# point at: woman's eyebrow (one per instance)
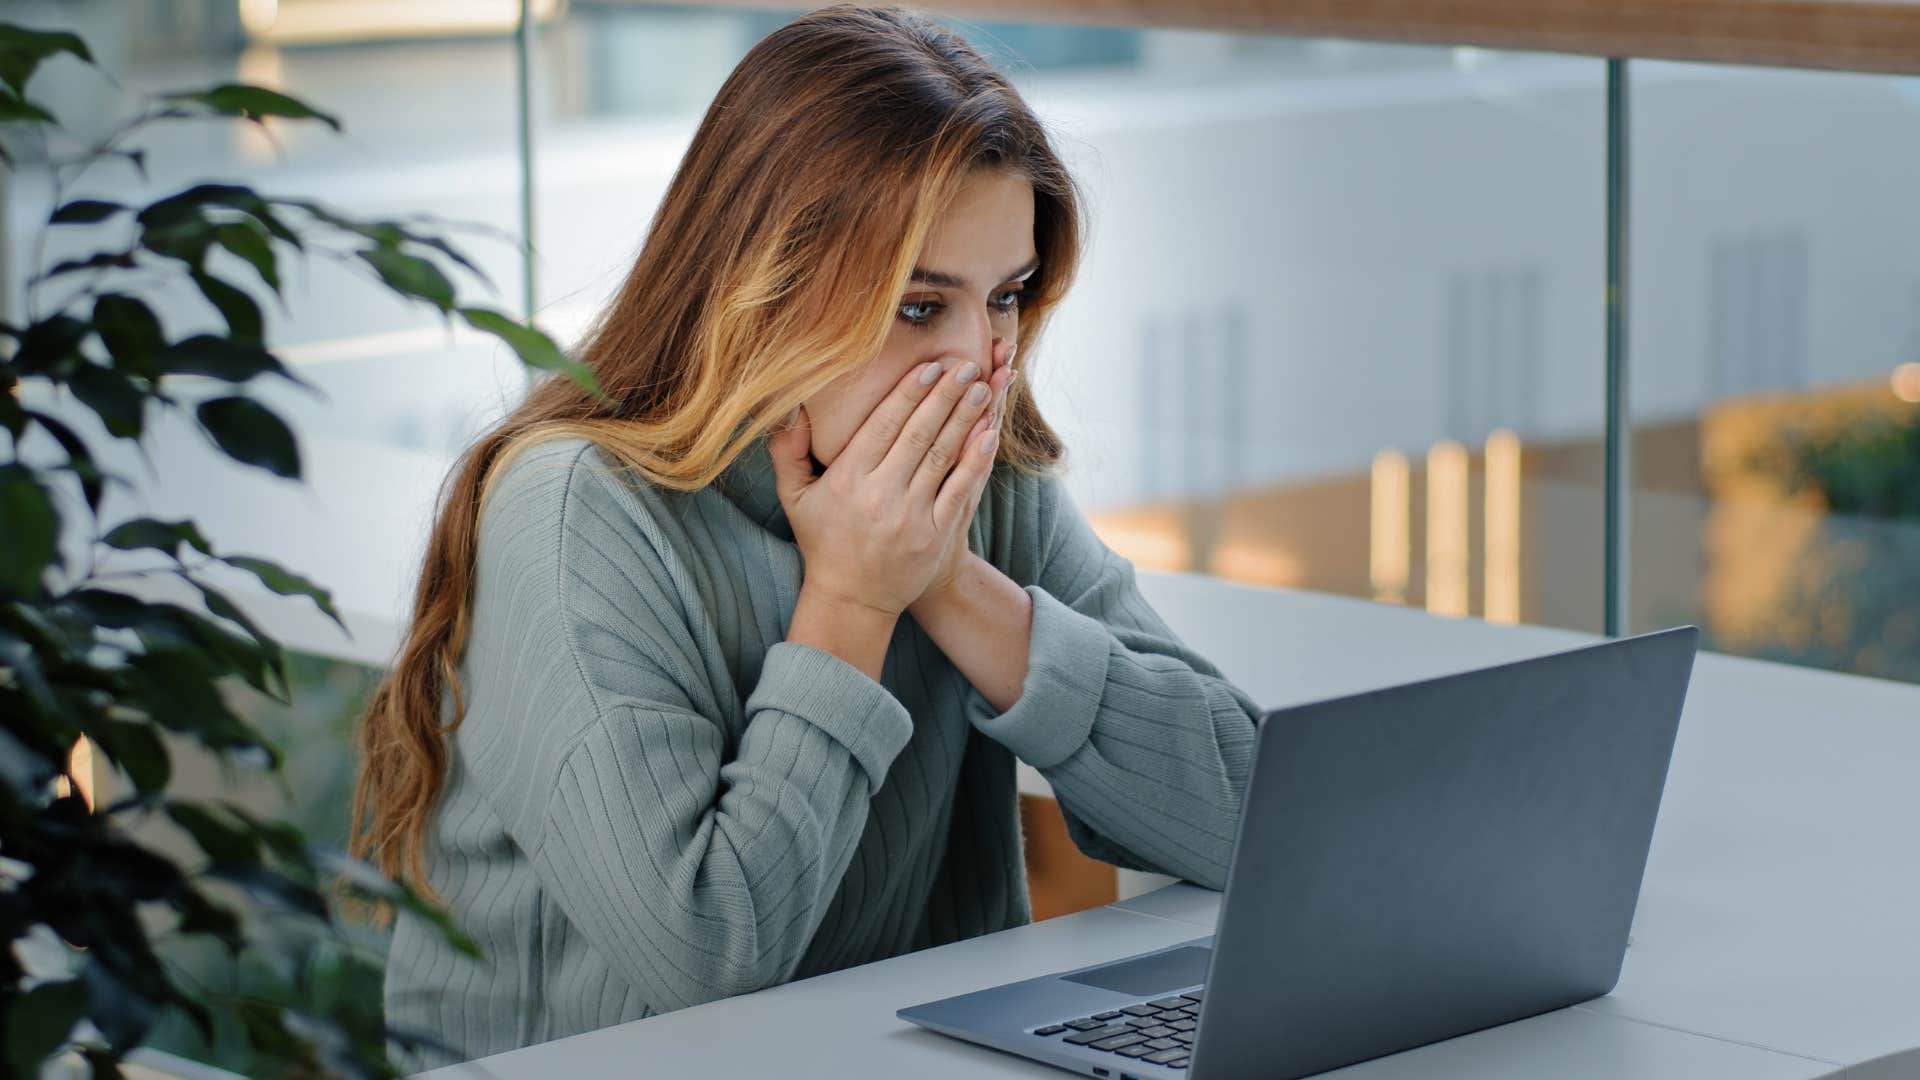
(944, 280)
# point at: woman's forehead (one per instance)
(985, 233)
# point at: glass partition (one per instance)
(1776, 363)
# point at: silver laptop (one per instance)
(1412, 864)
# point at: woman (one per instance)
(721, 684)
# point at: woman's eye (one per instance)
(1006, 301)
(918, 311)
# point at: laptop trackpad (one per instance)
(1170, 970)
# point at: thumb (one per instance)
(791, 447)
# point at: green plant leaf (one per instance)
(19, 656)
(113, 397)
(31, 526)
(248, 239)
(100, 260)
(274, 887)
(39, 1021)
(178, 226)
(226, 843)
(130, 331)
(534, 348)
(159, 535)
(136, 747)
(286, 583)
(14, 109)
(164, 627)
(22, 50)
(236, 307)
(176, 687)
(271, 654)
(48, 342)
(221, 358)
(411, 275)
(25, 771)
(254, 103)
(250, 433)
(79, 457)
(123, 1010)
(387, 234)
(199, 915)
(85, 212)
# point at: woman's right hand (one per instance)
(874, 527)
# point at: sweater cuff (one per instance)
(837, 698)
(1067, 658)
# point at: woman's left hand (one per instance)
(955, 557)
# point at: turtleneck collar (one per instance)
(748, 482)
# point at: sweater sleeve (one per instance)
(697, 863)
(1147, 746)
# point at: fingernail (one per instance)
(930, 373)
(1011, 349)
(986, 443)
(977, 395)
(792, 417)
(966, 374)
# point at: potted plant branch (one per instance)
(83, 899)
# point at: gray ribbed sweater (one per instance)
(655, 800)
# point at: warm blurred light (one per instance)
(1154, 545)
(1906, 382)
(1447, 528)
(80, 767)
(261, 65)
(257, 16)
(1391, 539)
(287, 22)
(1238, 560)
(1503, 527)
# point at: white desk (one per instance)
(1777, 933)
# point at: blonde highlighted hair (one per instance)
(772, 267)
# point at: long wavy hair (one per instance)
(772, 268)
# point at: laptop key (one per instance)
(1158, 1032)
(1168, 1057)
(1050, 1029)
(1183, 1025)
(1168, 1003)
(1119, 1041)
(1185, 1037)
(1086, 1023)
(1142, 1021)
(1140, 1010)
(1167, 1016)
(1096, 1035)
(1163, 1044)
(1106, 1015)
(1141, 1050)
(1194, 995)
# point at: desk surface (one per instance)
(1778, 932)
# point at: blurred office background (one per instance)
(1341, 327)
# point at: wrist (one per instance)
(856, 632)
(943, 591)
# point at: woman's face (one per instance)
(964, 296)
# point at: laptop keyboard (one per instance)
(1160, 1031)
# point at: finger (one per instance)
(921, 430)
(951, 438)
(1000, 382)
(960, 494)
(876, 434)
(791, 448)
